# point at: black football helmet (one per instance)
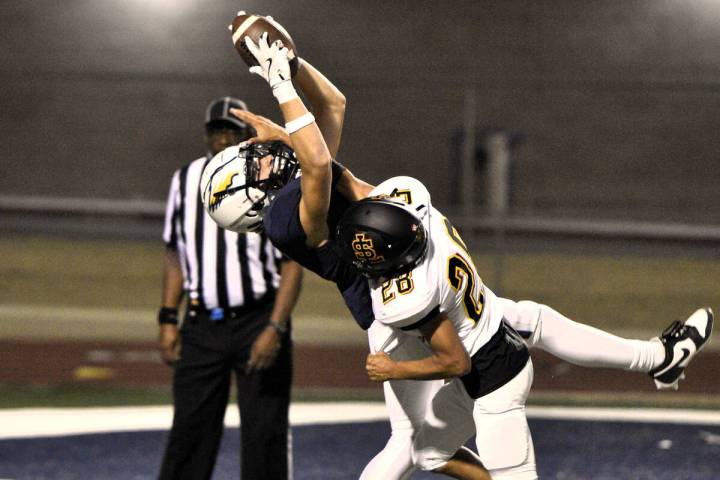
(381, 237)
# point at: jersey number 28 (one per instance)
(458, 267)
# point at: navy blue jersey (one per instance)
(282, 226)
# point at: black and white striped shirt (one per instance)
(220, 268)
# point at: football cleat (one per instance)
(682, 341)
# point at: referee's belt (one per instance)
(229, 313)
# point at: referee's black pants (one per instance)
(210, 352)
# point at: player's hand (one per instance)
(273, 63)
(379, 366)
(169, 343)
(264, 350)
(266, 130)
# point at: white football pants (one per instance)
(497, 419)
(577, 343)
(407, 400)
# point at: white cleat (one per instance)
(682, 341)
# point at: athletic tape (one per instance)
(302, 121)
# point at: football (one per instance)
(245, 25)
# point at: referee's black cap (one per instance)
(218, 113)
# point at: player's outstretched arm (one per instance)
(307, 141)
(266, 130)
(327, 103)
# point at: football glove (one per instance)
(273, 66)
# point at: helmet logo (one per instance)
(364, 249)
(405, 196)
(220, 190)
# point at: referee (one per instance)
(239, 295)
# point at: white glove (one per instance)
(273, 66)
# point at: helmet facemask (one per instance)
(283, 166)
(233, 193)
(282, 169)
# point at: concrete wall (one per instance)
(618, 102)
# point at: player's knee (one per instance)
(430, 463)
(402, 439)
(393, 461)
(427, 458)
(442, 469)
(524, 317)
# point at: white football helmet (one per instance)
(231, 191)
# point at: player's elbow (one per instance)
(458, 365)
(315, 159)
(338, 103)
(464, 365)
(320, 167)
(333, 111)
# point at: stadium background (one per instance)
(613, 213)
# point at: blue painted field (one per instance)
(566, 449)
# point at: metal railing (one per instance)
(594, 228)
(80, 206)
(153, 210)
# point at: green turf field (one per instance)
(79, 395)
(614, 292)
(629, 293)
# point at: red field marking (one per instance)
(138, 364)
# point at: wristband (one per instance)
(301, 122)
(168, 316)
(284, 91)
(280, 328)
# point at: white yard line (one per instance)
(642, 415)
(51, 422)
